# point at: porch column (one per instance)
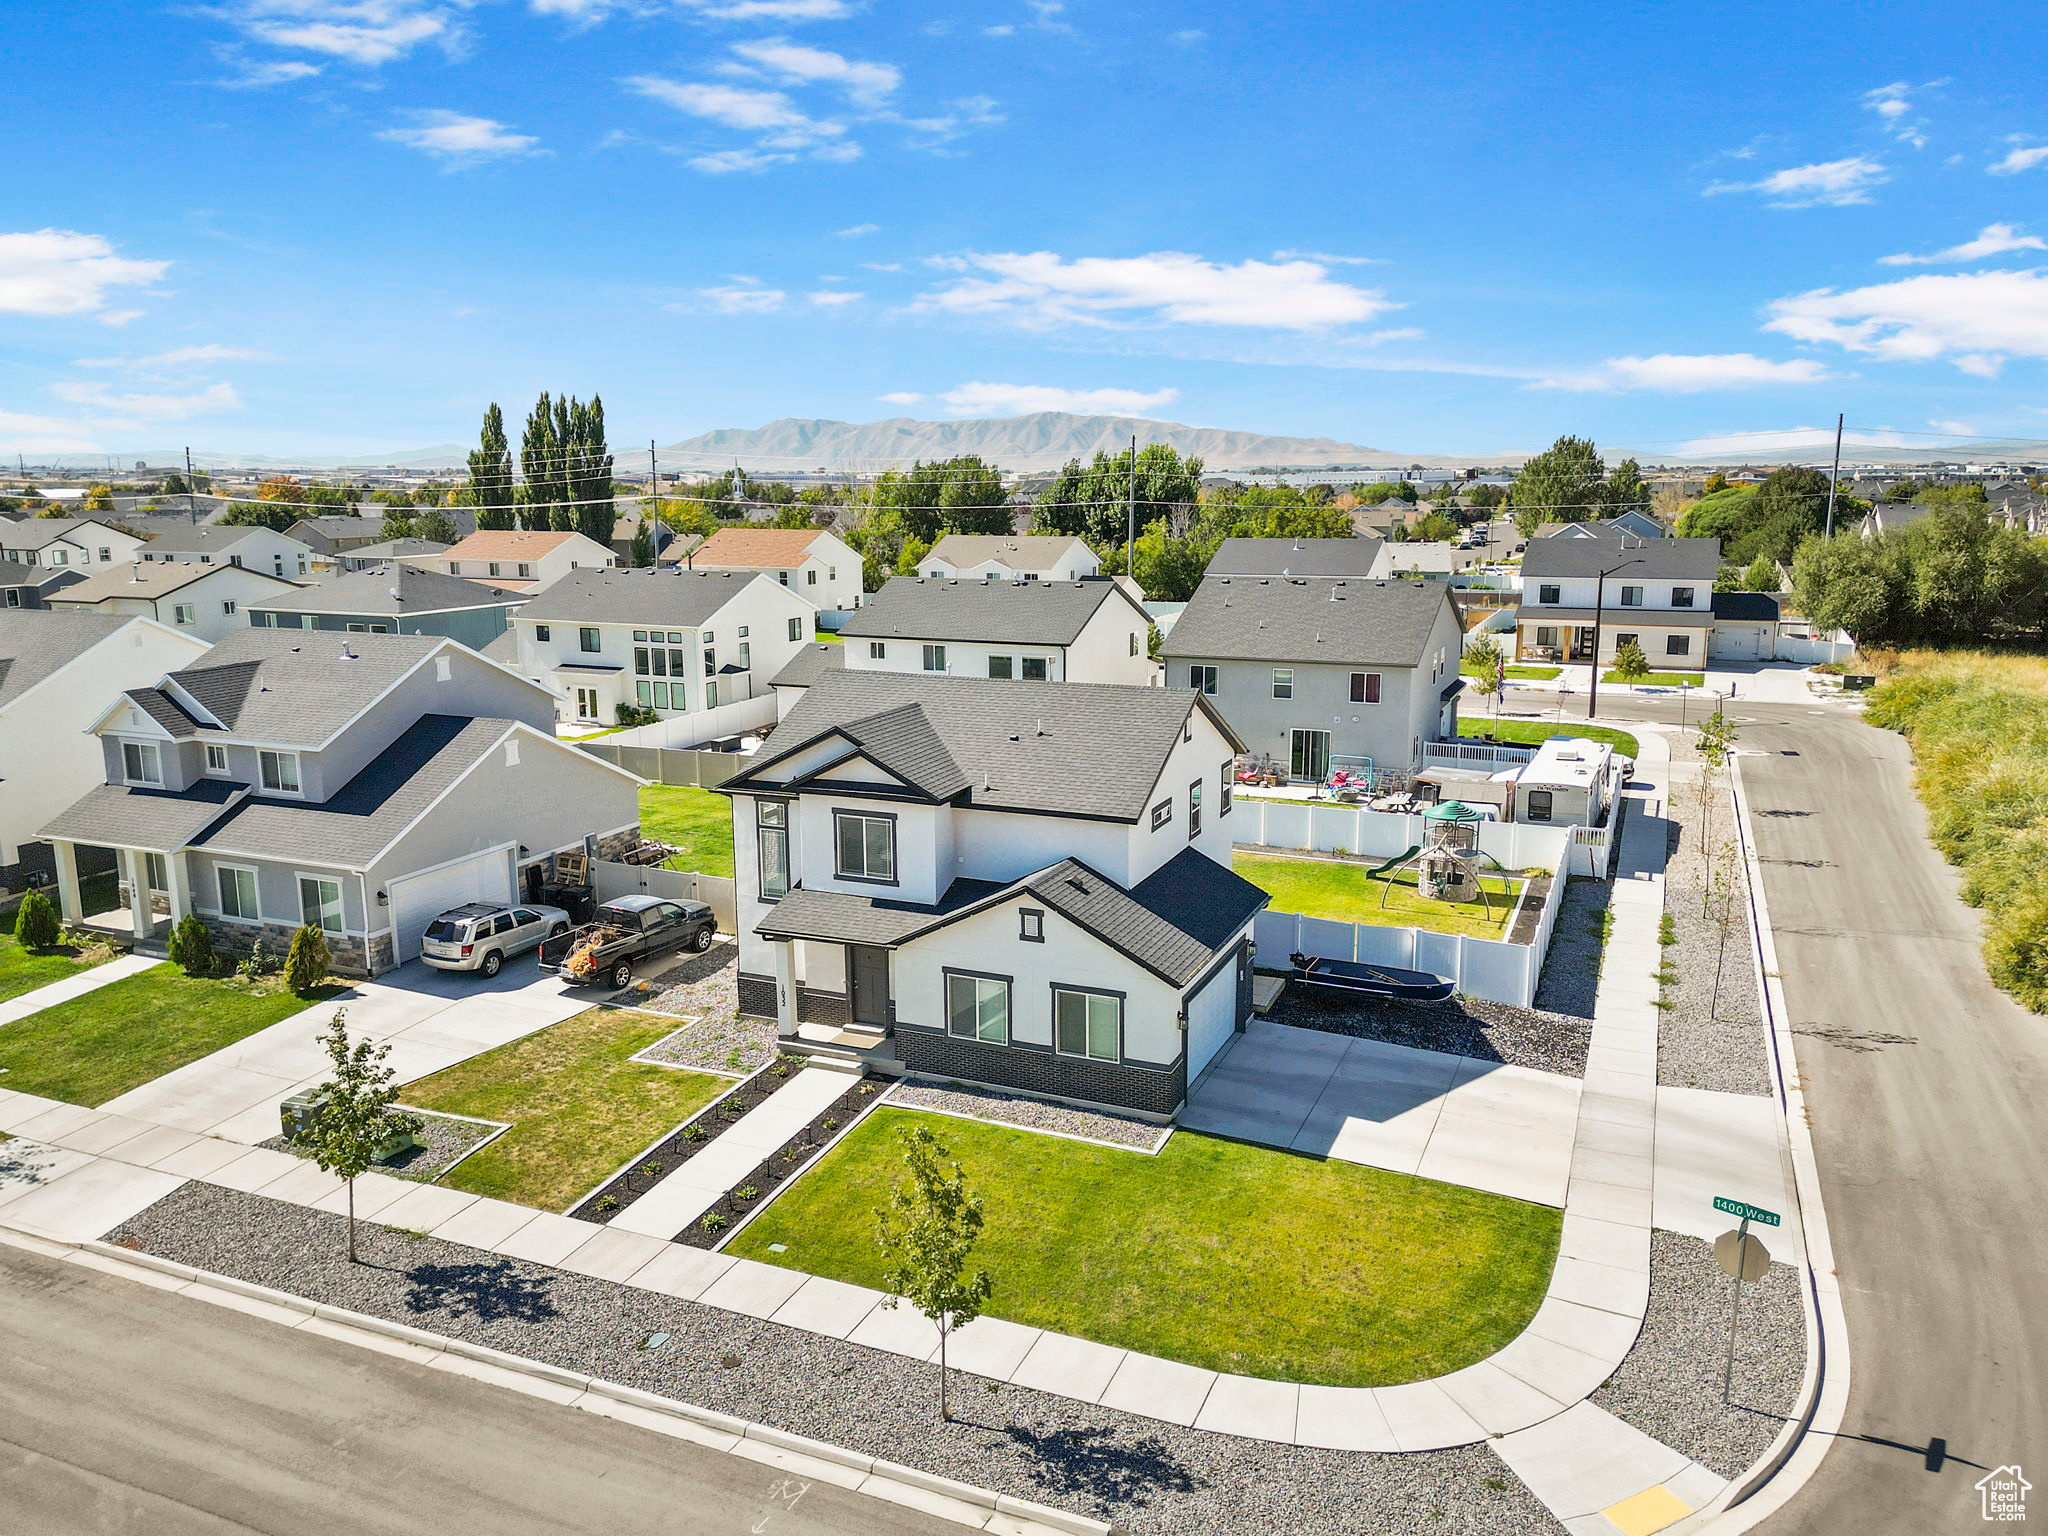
(136, 865)
(785, 989)
(180, 879)
(68, 899)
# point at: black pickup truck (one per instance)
(623, 933)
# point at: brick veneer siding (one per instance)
(816, 1006)
(345, 950)
(616, 845)
(1149, 1090)
(757, 996)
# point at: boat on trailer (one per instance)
(1385, 982)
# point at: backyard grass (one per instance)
(697, 821)
(1658, 679)
(578, 1108)
(1533, 733)
(1217, 1253)
(22, 971)
(1339, 890)
(1514, 673)
(97, 1047)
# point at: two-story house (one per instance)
(209, 601)
(1656, 592)
(419, 552)
(360, 783)
(666, 640)
(1011, 557)
(814, 563)
(1359, 558)
(66, 543)
(521, 559)
(1090, 631)
(246, 544)
(32, 586)
(393, 600)
(57, 672)
(1024, 885)
(331, 537)
(1321, 673)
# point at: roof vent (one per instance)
(1041, 726)
(346, 653)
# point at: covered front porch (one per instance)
(151, 894)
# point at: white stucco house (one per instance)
(1090, 631)
(814, 563)
(1657, 592)
(210, 601)
(245, 544)
(1019, 884)
(66, 543)
(1011, 557)
(520, 559)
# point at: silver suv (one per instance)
(481, 937)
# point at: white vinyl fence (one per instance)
(610, 880)
(700, 725)
(1382, 834)
(1810, 651)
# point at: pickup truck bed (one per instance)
(625, 935)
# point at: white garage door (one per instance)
(1212, 1018)
(418, 899)
(1736, 642)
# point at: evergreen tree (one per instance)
(37, 923)
(398, 524)
(642, 554)
(1762, 575)
(542, 485)
(1565, 483)
(305, 964)
(434, 523)
(191, 946)
(589, 478)
(1626, 488)
(490, 474)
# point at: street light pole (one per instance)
(1599, 602)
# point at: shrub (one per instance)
(306, 963)
(712, 1222)
(747, 1192)
(38, 925)
(191, 946)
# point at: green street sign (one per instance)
(1743, 1211)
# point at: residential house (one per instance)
(1090, 631)
(814, 563)
(1322, 673)
(246, 544)
(394, 600)
(1011, 557)
(66, 543)
(333, 537)
(362, 783)
(522, 559)
(1634, 523)
(1436, 559)
(30, 586)
(1891, 516)
(1022, 885)
(209, 601)
(420, 552)
(1357, 558)
(57, 673)
(1745, 626)
(671, 641)
(1657, 592)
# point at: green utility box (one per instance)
(298, 1113)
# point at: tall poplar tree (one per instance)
(491, 481)
(540, 465)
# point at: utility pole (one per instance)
(1599, 602)
(1131, 514)
(653, 497)
(191, 501)
(1835, 474)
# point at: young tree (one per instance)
(1630, 664)
(1762, 575)
(305, 965)
(1715, 745)
(37, 923)
(191, 946)
(1487, 665)
(1724, 885)
(642, 552)
(926, 1233)
(355, 1118)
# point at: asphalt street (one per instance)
(126, 1409)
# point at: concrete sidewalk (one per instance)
(78, 985)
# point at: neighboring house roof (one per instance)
(14, 574)
(512, 544)
(1746, 607)
(1020, 552)
(155, 578)
(34, 643)
(345, 526)
(1669, 559)
(207, 538)
(157, 820)
(1295, 557)
(1310, 619)
(35, 532)
(997, 612)
(504, 650)
(1888, 515)
(809, 664)
(1075, 749)
(1564, 530)
(757, 549)
(397, 549)
(670, 599)
(389, 589)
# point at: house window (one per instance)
(183, 613)
(811, 577)
(1548, 592)
(216, 758)
(279, 771)
(1194, 810)
(935, 658)
(1536, 806)
(139, 762)
(1631, 597)
(783, 577)
(320, 903)
(1224, 791)
(106, 555)
(1202, 679)
(1035, 670)
(710, 659)
(1283, 682)
(978, 1007)
(1002, 666)
(1621, 640)
(746, 654)
(60, 557)
(1678, 645)
(1546, 635)
(492, 569)
(876, 650)
(1031, 925)
(523, 568)
(156, 869)
(1134, 642)
(710, 695)
(540, 633)
(1365, 687)
(588, 639)
(796, 629)
(1681, 597)
(237, 892)
(1087, 1024)
(771, 835)
(867, 846)
(228, 606)
(1162, 813)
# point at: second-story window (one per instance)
(216, 758)
(588, 638)
(1365, 687)
(866, 846)
(1202, 679)
(1631, 597)
(279, 771)
(796, 629)
(1223, 791)
(1034, 669)
(1681, 597)
(1283, 682)
(876, 650)
(935, 658)
(1194, 810)
(771, 834)
(746, 654)
(1162, 813)
(1549, 592)
(139, 762)
(1002, 666)
(541, 633)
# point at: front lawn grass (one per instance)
(132, 1031)
(22, 970)
(1657, 679)
(1217, 1253)
(1339, 890)
(1515, 673)
(578, 1108)
(1533, 733)
(697, 821)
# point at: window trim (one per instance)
(340, 905)
(1194, 810)
(267, 755)
(1228, 796)
(1636, 601)
(1084, 1054)
(1549, 593)
(877, 650)
(934, 657)
(1678, 645)
(213, 747)
(1682, 597)
(1366, 687)
(255, 885)
(763, 832)
(1202, 677)
(1028, 919)
(156, 757)
(1283, 689)
(589, 640)
(1008, 984)
(840, 814)
(1162, 813)
(1008, 674)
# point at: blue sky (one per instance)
(346, 225)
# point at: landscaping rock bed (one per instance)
(448, 1140)
(1463, 1026)
(1571, 971)
(1031, 1114)
(1154, 1479)
(782, 1165)
(1670, 1384)
(705, 988)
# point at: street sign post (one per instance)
(1742, 1210)
(1745, 1258)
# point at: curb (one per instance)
(945, 1497)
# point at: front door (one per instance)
(586, 703)
(1582, 642)
(868, 984)
(1310, 758)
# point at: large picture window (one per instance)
(978, 1008)
(866, 846)
(1087, 1024)
(237, 892)
(280, 771)
(320, 903)
(771, 833)
(139, 763)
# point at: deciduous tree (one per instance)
(356, 1117)
(926, 1234)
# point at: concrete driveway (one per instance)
(1483, 1124)
(431, 1019)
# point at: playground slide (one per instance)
(1394, 863)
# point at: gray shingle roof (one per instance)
(204, 538)
(292, 687)
(397, 549)
(370, 591)
(669, 599)
(1076, 749)
(1665, 559)
(997, 612)
(905, 742)
(809, 664)
(1295, 557)
(846, 919)
(165, 711)
(35, 532)
(35, 642)
(117, 816)
(1020, 552)
(1310, 619)
(152, 579)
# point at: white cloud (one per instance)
(20, 433)
(773, 10)
(2021, 157)
(176, 357)
(1329, 260)
(1003, 31)
(62, 272)
(1821, 439)
(979, 399)
(901, 397)
(865, 84)
(168, 407)
(586, 11)
(743, 296)
(1187, 37)
(1960, 428)
(460, 139)
(883, 266)
(855, 231)
(368, 32)
(1829, 184)
(1689, 373)
(1975, 320)
(255, 76)
(783, 130)
(1992, 240)
(1047, 15)
(1893, 105)
(831, 298)
(1040, 288)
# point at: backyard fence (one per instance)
(1327, 828)
(671, 765)
(1809, 650)
(698, 726)
(611, 881)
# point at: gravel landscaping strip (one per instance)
(1571, 971)
(1670, 1384)
(705, 988)
(1154, 1479)
(1029, 1113)
(449, 1139)
(1463, 1026)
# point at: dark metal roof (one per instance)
(994, 612)
(1342, 621)
(1660, 559)
(1746, 607)
(118, 816)
(1295, 557)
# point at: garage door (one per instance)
(1212, 1018)
(418, 899)
(1735, 642)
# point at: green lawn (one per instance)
(1218, 1253)
(1514, 673)
(133, 1031)
(578, 1108)
(697, 821)
(1339, 890)
(1657, 679)
(829, 637)
(1534, 733)
(21, 971)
